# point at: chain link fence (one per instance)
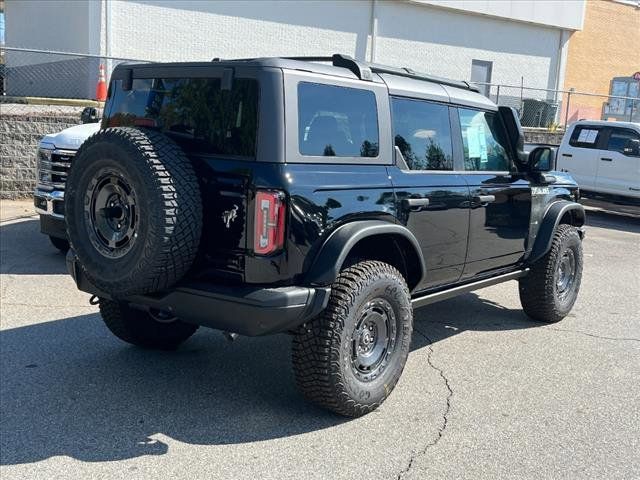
(41, 92)
(40, 81)
(56, 79)
(553, 110)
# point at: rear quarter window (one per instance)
(337, 121)
(195, 112)
(585, 136)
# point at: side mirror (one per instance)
(89, 115)
(632, 148)
(511, 121)
(541, 159)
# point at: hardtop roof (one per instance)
(400, 81)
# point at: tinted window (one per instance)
(337, 121)
(423, 134)
(484, 140)
(618, 139)
(196, 113)
(585, 137)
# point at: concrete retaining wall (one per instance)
(537, 136)
(20, 133)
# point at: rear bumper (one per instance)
(250, 311)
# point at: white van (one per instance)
(603, 157)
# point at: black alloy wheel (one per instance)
(111, 207)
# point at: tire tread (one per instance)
(316, 346)
(176, 220)
(537, 289)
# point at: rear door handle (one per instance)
(415, 204)
(484, 198)
(606, 159)
(567, 155)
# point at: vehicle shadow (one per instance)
(68, 387)
(26, 251)
(613, 221)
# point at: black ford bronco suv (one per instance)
(321, 197)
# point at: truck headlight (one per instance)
(44, 164)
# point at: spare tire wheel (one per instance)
(133, 211)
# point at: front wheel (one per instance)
(151, 329)
(350, 358)
(60, 243)
(548, 292)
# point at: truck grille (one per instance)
(53, 171)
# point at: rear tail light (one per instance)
(269, 222)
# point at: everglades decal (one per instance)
(540, 190)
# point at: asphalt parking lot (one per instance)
(486, 393)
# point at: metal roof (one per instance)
(400, 81)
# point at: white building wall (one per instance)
(416, 35)
(444, 42)
(49, 24)
(192, 30)
(563, 14)
(441, 39)
(52, 25)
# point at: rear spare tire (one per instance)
(133, 211)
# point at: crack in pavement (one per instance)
(445, 414)
(623, 339)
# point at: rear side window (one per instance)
(337, 121)
(484, 139)
(618, 139)
(423, 134)
(585, 137)
(195, 112)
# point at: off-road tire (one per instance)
(141, 329)
(168, 205)
(60, 243)
(323, 348)
(539, 294)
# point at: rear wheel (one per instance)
(350, 358)
(152, 329)
(60, 243)
(548, 292)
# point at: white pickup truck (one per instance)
(603, 158)
(54, 157)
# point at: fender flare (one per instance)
(334, 251)
(550, 222)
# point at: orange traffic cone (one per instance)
(101, 87)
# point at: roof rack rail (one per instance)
(359, 69)
(409, 73)
(363, 70)
(310, 58)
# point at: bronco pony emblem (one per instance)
(229, 216)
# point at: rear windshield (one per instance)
(337, 121)
(195, 112)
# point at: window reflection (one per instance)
(423, 134)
